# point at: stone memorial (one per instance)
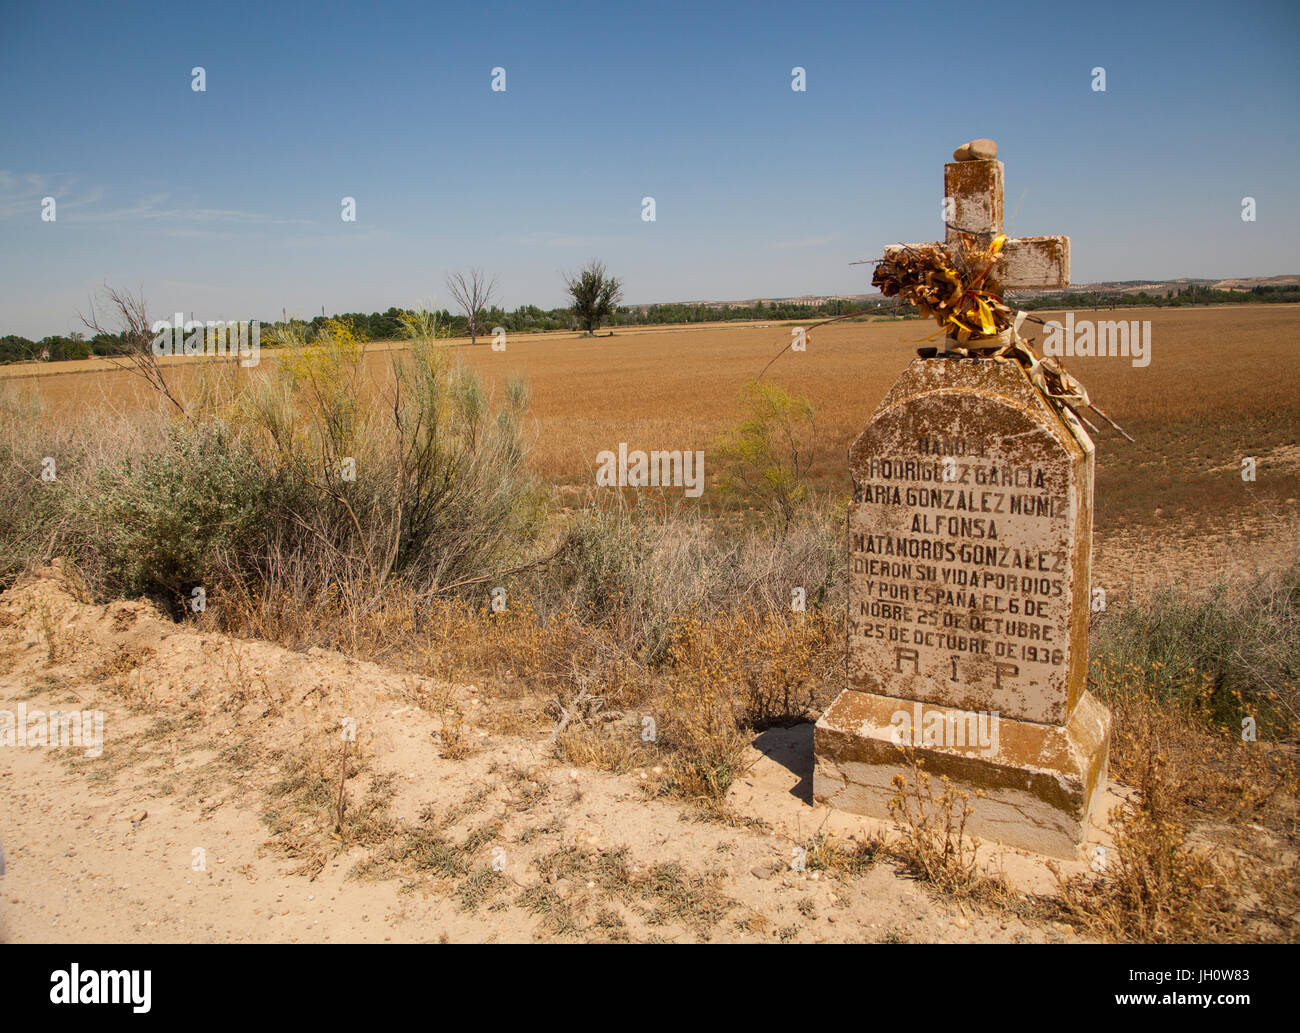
(969, 537)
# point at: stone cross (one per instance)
(969, 547)
(973, 190)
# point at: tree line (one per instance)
(56, 347)
(596, 297)
(1271, 294)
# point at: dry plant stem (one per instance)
(532, 565)
(343, 775)
(567, 715)
(137, 337)
(790, 343)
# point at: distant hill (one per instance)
(1245, 283)
(1163, 287)
(768, 302)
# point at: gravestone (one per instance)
(970, 539)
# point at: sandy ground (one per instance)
(184, 828)
(178, 831)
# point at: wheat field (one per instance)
(1222, 385)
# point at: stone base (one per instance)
(1040, 782)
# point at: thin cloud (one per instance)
(156, 208)
(22, 196)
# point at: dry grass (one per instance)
(303, 814)
(1206, 847)
(722, 674)
(931, 844)
(1158, 888)
(453, 735)
(661, 895)
(609, 746)
(1217, 779)
(124, 660)
(848, 858)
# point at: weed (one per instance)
(1158, 889)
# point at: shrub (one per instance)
(165, 521)
(639, 573)
(1158, 889)
(423, 478)
(29, 507)
(1223, 654)
(701, 725)
(766, 457)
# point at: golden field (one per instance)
(1222, 384)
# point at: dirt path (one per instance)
(208, 816)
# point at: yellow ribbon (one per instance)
(977, 309)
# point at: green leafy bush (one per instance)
(166, 521)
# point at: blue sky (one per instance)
(227, 202)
